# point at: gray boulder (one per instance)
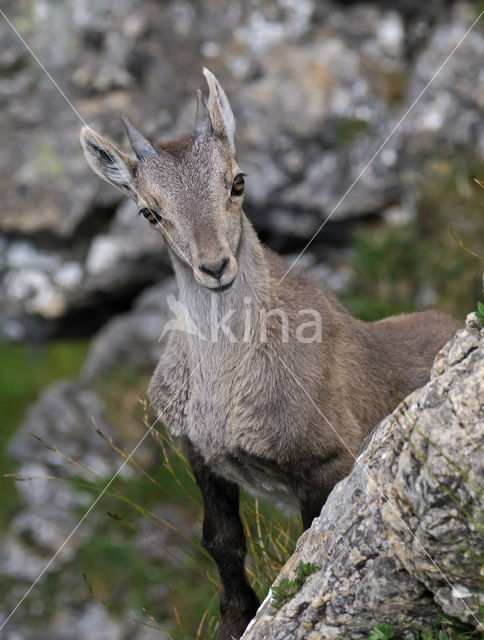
(403, 533)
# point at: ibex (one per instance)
(284, 418)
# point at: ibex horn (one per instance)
(203, 121)
(141, 146)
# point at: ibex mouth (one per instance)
(222, 287)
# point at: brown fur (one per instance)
(285, 419)
(176, 145)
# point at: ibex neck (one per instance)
(250, 290)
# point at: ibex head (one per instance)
(191, 191)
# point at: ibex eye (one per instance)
(150, 215)
(238, 185)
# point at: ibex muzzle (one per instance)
(192, 192)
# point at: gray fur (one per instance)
(223, 120)
(109, 163)
(283, 419)
(203, 122)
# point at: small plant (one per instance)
(448, 628)
(286, 589)
(382, 631)
(480, 314)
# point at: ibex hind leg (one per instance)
(316, 483)
(224, 539)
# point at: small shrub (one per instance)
(286, 589)
(382, 631)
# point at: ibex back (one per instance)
(264, 404)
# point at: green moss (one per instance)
(286, 589)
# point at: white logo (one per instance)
(245, 324)
(182, 320)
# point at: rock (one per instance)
(316, 88)
(52, 286)
(402, 533)
(63, 422)
(132, 340)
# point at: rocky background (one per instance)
(316, 88)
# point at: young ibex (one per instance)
(284, 418)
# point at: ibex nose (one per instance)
(215, 269)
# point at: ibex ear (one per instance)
(223, 121)
(109, 163)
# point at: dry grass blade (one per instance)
(126, 617)
(184, 551)
(18, 478)
(92, 592)
(127, 456)
(200, 626)
(55, 449)
(175, 477)
(211, 622)
(177, 618)
(133, 462)
(462, 245)
(151, 618)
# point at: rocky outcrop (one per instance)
(316, 87)
(404, 532)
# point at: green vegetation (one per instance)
(480, 314)
(24, 371)
(445, 628)
(478, 7)
(181, 586)
(142, 559)
(429, 260)
(174, 578)
(286, 588)
(347, 129)
(382, 631)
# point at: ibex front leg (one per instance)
(224, 539)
